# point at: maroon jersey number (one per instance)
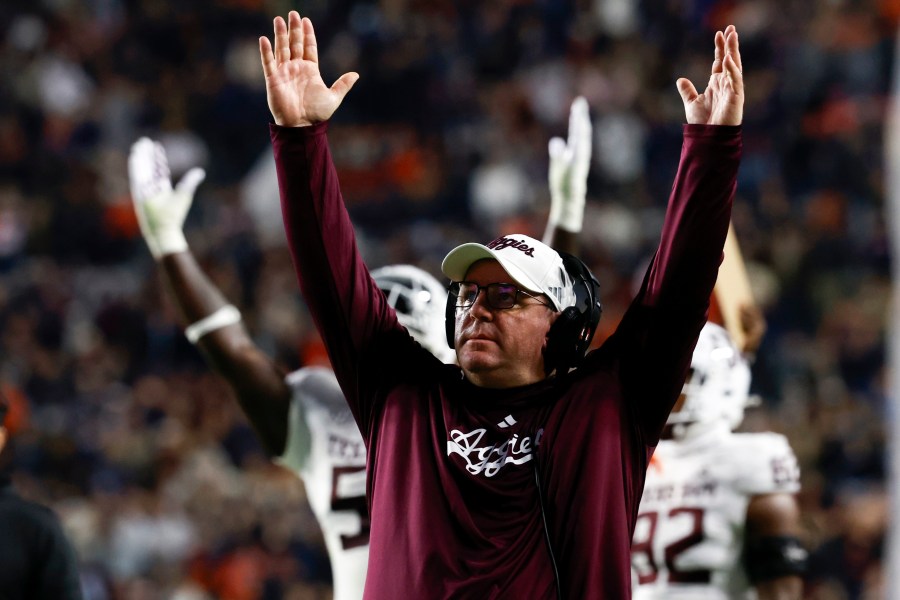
(356, 504)
(645, 547)
(785, 471)
(671, 551)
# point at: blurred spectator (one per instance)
(38, 562)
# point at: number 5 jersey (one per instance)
(325, 449)
(689, 534)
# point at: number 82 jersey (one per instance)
(689, 533)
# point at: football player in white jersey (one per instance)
(718, 518)
(301, 417)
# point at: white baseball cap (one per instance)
(532, 264)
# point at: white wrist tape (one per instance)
(568, 215)
(170, 242)
(225, 316)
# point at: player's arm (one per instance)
(753, 323)
(774, 557)
(570, 162)
(733, 295)
(214, 324)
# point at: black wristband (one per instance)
(772, 557)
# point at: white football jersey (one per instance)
(689, 534)
(325, 449)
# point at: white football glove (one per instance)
(160, 210)
(569, 166)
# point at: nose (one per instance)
(480, 309)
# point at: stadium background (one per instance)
(123, 430)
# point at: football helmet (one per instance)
(717, 389)
(418, 298)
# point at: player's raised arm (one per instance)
(753, 323)
(295, 90)
(214, 324)
(570, 162)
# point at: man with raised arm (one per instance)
(508, 476)
(301, 417)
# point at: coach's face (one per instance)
(501, 348)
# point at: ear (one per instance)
(3, 436)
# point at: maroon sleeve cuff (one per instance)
(712, 131)
(281, 133)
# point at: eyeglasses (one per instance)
(500, 296)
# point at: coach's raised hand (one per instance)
(294, 87)
(723, 101)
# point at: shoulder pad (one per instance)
(763, 463)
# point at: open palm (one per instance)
(295, 90)
(722, 103)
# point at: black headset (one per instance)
(571, 334)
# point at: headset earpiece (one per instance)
(571, 334)
(450, 318)
(560, 349)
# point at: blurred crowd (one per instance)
(120, 427)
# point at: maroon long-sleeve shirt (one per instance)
(451, 467)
